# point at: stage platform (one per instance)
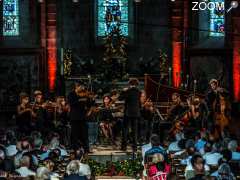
(106, 153)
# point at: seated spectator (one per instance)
(174, 146)
(24, 170)
(200, 141)
(11, 148)
(212, 155)
(23, 147)
(190, 152)
(156, 148)
(197, 169)
(224, 172)
(84, 168)
(54, 144)
(232, 146)
(226, 157)
(154, 138)
(73, 171)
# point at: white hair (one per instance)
(43, 173)
(54, 143)
(232, 145)
(73, 167)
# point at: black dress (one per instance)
(24, 122)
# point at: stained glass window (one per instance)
(217, 18)
(112, 14)
(10, 18)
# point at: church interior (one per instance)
(120, 89)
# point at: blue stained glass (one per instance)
(10, 18)
(112, 14)
(217, 19)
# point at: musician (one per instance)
(40, 111)
(132, 114)
(147, 113)
(176, 109)
(222, 115)
(212, 99)
(198, 112)
(106, 118)
(62, 109)
(79, 103)
(24, 114)
(62, 119)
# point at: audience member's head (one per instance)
(217, 147)
(25, 161)
(49, 164)
(155, 140)
(54, 143)
(207, 147)
(37, 143)
(11, 138)
(73, 167)
(42, 173)
(232, 145)
(189, 143)
(25, 145)
(227, 156)
(181, 144)
(198, 164)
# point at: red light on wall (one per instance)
(236, 70)
(176, 63)
(52, 64)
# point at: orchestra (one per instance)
(129, 112)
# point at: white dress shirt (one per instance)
(212, 158)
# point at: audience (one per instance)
(45, 158)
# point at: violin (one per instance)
(48, 105)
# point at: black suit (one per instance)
(78, 110)
(132, 113)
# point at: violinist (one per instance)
(79, 102)
(107, 119)
(147, 113)
(62, 110)
(177, 108)
(62, 119)
(39, 108)
(24, 114)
